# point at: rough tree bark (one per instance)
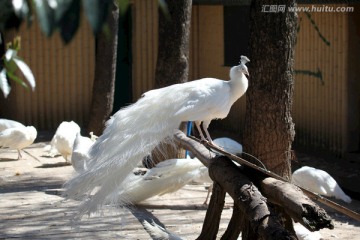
(173, 52)
(105, 72)
(269, 129)
(173, 58)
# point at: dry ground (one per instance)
(32, 208)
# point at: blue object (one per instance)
(188, 133)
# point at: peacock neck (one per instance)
(238, 87)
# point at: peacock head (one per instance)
(241, 68)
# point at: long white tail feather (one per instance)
(158, 232)
(131, 134)
(165, 177)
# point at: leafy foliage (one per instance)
(52, 15)
(12, 62)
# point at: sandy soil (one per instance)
(32, 208)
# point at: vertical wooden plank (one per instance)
(193, 48)
(320, 110)
(153, 41)
(145, 30)
(345, 87)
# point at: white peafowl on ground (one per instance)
(63, 139)
(80, 152)
(17, 138)
(134, 131)
(320, 182)
(6, 123)
(166, 177)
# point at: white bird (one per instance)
(18, 138)
(6, 123)
(166, 177)
(304, 234)
(63, 139)
(171, 175)
(134, 131)
(80, 152)
(229, 145)
(320, 182)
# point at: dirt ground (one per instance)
(32, 207)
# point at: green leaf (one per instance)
(61, 7)
(16, 79)
(123, 6)
(15, 45)
(8, 60)
(4, 84)
(10, 66)
(24, 68)
(96, 12)
(46, 16)
(164, 8)
(70, 22)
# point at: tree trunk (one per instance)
(269, 129)
(105, 72)
(173, 52)
(173, 58)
